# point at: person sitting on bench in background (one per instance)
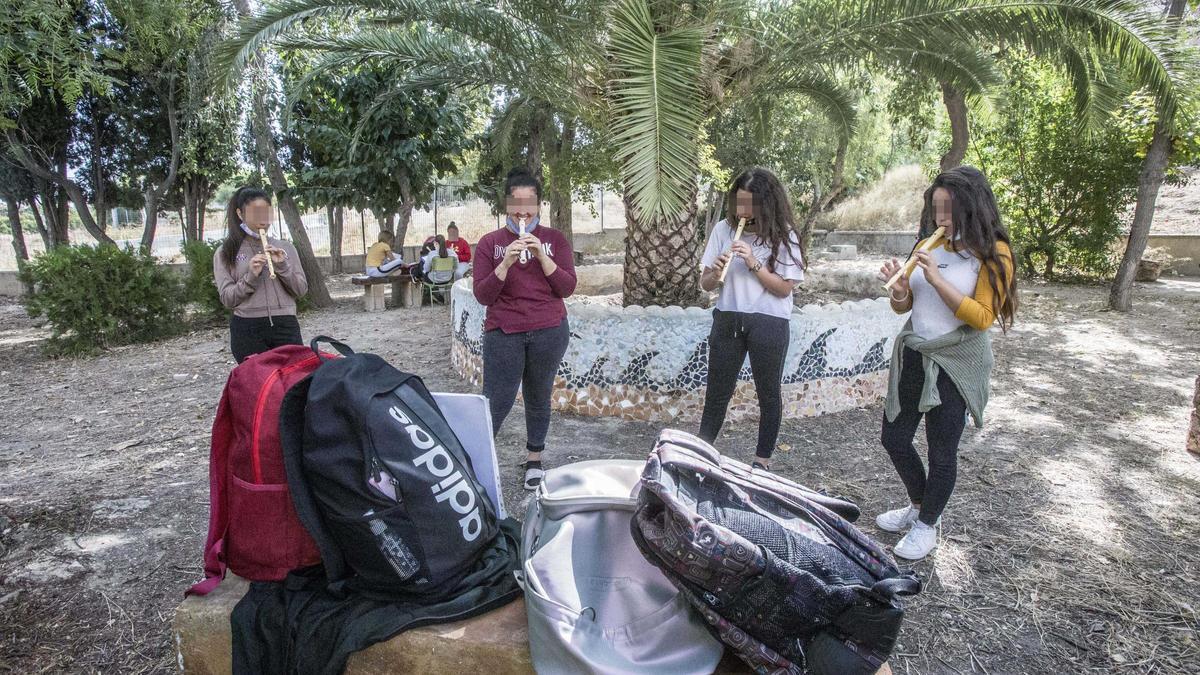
(439, 250)
(381, 261)
(461, 248)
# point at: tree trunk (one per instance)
(18, 235)
(662, 258)
(268, 154)
(837, 184)
(533, 157)
(333, 217)
(150, 220)
(960, 133)
(160, 191)
(560, 210)
(47, 243)
(18, 241)
(58, 177)
(205, 197)
(561, 217)
(407, 203)
(1154, 169)
(98, 181)
(193, 195)
(58, 219)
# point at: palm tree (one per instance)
(646, 74)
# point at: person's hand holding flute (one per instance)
(736, 236)
(909, 265)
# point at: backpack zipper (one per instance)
(261, 405)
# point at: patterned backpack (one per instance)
(777, 570)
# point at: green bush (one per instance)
(1063, 191)
(96, 297)
(200, 285)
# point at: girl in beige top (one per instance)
(264, 308)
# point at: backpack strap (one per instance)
(341, 347)
(218, 514)
(907, 583)
(291, 437)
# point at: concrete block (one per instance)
(843, 251)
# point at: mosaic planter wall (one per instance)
(651, 363)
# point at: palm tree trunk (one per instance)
(662, 258)
(1154, 169)
(960, 133)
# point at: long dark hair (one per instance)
(234, 234)
(977, 227)
(773, 219)
(441, 245)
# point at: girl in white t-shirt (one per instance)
(755, 303)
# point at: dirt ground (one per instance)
(1072, 543)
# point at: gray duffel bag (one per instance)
(595, 605)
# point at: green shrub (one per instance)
(96, 297)
(200, 286)
(1062, 191)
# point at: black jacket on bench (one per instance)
(300, 626)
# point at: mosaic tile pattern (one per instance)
(651, 363)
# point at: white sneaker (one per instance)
(897, 520)
(919, 541)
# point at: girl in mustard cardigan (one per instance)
(942, 359)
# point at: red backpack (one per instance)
(252, 527)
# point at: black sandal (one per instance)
(759, 465)
(533, 474)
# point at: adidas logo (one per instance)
(452, 488)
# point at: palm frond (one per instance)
(832, 99)
(1121, 30)
(656, 108)
(500, 136)
(233, 56)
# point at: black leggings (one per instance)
(943, 429)
(765, 338)
(528, 361)
(255, 336)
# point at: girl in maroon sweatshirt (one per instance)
(522, 273)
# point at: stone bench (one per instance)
(496, 643)
(405, 291)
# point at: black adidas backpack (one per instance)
(385, 487)
(777, 570)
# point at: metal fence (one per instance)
(452, 204)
